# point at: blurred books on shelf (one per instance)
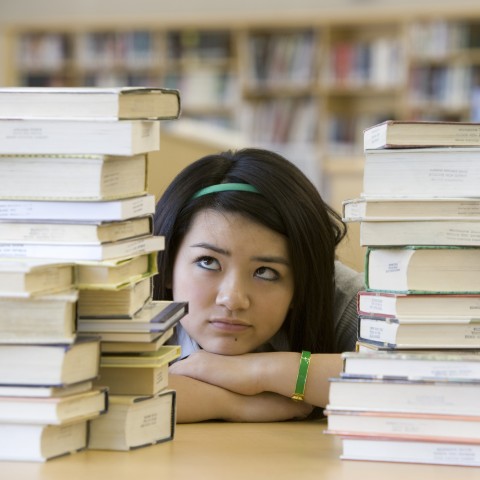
(87, 103)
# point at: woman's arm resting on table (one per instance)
(254, 373)
(198, 401)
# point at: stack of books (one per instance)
(411, 395)
(76, 241)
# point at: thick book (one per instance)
(420, 332)
(115, 274)
(67, 177)
(43, 391)
(126, 345)
(94, 233)
(113, 304)
(423, 269)
(54, 410)
(134, 421)
(156, 317)
(372, 209)
(28, 277)
(49, 364)
(407, 425)
(408, 451)
(49, 137)
(413, 365)
(78, 211)
(459, 232)
(126, 103)
(446, 397)
(41, 319)
(405, 134)
(143, 373)
(400, 305)
(79, 253)
(39, 443)
(422, 172)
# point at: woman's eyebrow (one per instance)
(209, 246)
(272, 259)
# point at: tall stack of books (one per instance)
(409, 393)
(76, 241)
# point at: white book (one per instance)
(121, 137)
(89, 102)
(82, 211)
(108, 251)
(38, 443)
(69, 177)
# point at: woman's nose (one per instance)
(233, 294)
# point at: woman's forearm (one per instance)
(279, 372)
(198, 401)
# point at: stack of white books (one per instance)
(420, 221)
(76, 240)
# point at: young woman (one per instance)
(250, 244)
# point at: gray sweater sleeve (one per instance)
(348, 283)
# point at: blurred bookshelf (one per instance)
(306, 89)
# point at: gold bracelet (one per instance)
(299, 393)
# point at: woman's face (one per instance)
(237, 276)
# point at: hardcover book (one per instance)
(404, 134)
(422, 172)
(134, 421)
(27, 277)
(54, 410)
(81, 211)
(50, 177)
(40, 319)
(85, 103)
(50, 364)
(423, 269)
(79, 252)
(39, 443)
(48, 137)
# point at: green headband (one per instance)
(224, 187)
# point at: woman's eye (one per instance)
(267, 273)
(208, 263)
